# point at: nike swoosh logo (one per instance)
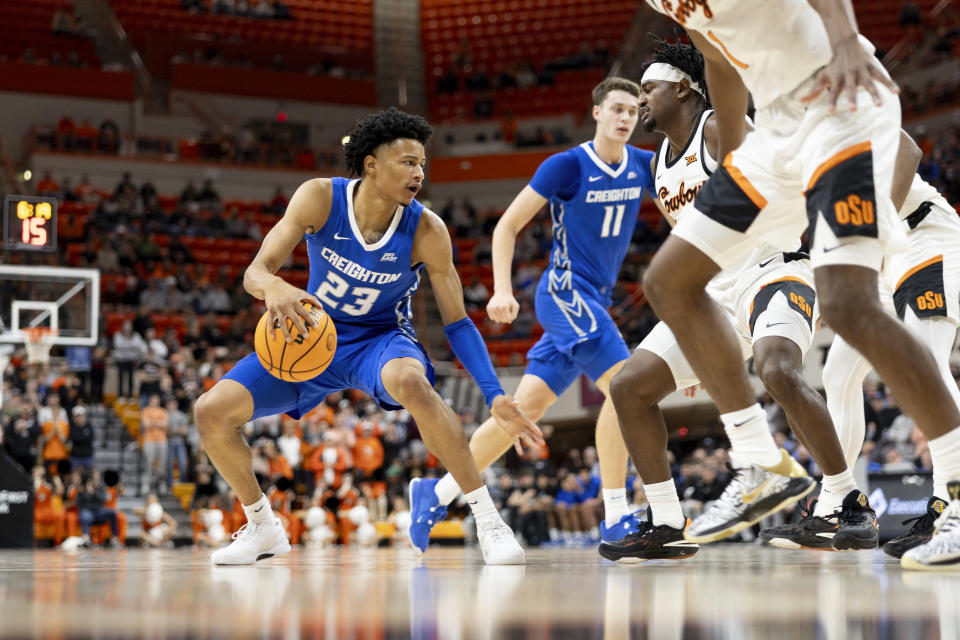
(826, 534)
(337, 236)
(748, 498)
(472, 503)
(826, 250)
(773, 324)
(741, 423)
(258, 510)
(681, 543)
(594, 178)
(766, 262)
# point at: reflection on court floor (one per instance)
(728, 591)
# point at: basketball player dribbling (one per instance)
(798, 59)
(768, 297)
(594, 191)
(368, 241)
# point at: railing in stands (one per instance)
(898, 52)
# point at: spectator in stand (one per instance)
(66, 133)
(129, 350)
(21, 437)
(278, 204)
(56, 431)
(47, 186)
(48, 502)
(476, 295)
(81, 437)
(208, 196)
(155, 422)
(85, 190)
(63, 23)
(108, 140)
(177, 441)
(91, 509)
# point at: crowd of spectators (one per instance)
(262, 144)
(214, 57)
(261, 9)
(463, 74)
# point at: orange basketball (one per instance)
(305, 356)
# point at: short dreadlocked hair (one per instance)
(376, 129)
(685, 57)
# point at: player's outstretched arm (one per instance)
(503, 306)
(728, 95)
(432, 247)
(851, 66)
(307, 213)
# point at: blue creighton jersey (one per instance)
(594, 209)
(366, 288)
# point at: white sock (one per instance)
(484, 511)
(833, 489)
(614, 505)
(446, 489)
(945, 453)
(750, 439)
(665, 503)
(260, 511)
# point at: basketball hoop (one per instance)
(39, 341)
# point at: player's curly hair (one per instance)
(376, 129)
(685, 57)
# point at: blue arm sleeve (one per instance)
(558, 175)
(469, 347)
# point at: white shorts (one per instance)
(775, 299)
(805, 168)
(926, 277)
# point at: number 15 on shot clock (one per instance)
(29, 223)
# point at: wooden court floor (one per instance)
(727, 591)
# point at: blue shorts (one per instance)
(356, 365)
(579, 336)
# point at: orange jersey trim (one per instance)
(742, 65)
(836, 159)
(922, 265)
(744, 184)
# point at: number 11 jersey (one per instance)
(366, 288)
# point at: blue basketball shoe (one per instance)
(628, 524)
(425, 511)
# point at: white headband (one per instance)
(669, 73)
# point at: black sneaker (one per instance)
(649, 542)
(858, 527)
(919, 533)
(809, 532)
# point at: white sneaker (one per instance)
(254, 541)
(499, 546)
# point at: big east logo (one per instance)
(677, 202)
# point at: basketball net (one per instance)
(39, 341)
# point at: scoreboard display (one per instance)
(29, 223)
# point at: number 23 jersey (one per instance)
(366, 288)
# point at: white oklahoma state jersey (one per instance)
(677, 179)
(773, 44)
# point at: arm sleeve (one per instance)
(469, 347)
(558, 176)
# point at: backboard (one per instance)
(61, 298)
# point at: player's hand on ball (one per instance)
(511, 419)
(285, 302)
(503, 307)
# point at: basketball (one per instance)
(305, 356)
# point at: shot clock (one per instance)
(29, 223)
